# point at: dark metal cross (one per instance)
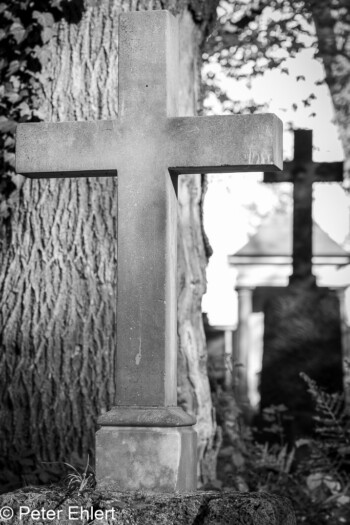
(303, 172)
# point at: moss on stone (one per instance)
(140, 508)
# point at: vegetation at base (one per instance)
(314, 472)
(81, 481)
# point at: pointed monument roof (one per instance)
(272, 244)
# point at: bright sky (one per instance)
(227, 221)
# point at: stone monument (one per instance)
(264, 266)
(146, 441)
(302, 325)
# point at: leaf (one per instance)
(47, 33)
(24, 109)
(13, 67)
(9, 158)
(7, 125)
(18, 32)
(44, 19)
(12, 97)
(313, 481)
(40, 114)
(343, 500)
(43, 54)
(9, 142)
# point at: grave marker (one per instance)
(302, 323)
(146, 441)
(303, 172)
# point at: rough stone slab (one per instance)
(140, 508)
(138, 458)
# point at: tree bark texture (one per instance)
(58, 269)
(333, 34)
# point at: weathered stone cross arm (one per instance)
(224, 143)
(182, 145)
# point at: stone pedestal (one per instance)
(160, 459)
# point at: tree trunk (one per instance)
(58, 268)
(333, 34)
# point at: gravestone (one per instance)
(146, 441)
(263, 265)
(302, 323)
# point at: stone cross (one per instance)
(303, 172)
(146, 441)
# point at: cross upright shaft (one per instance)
(302, 198)
(147, 213)
(148, 146)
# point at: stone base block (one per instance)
(151, 459)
